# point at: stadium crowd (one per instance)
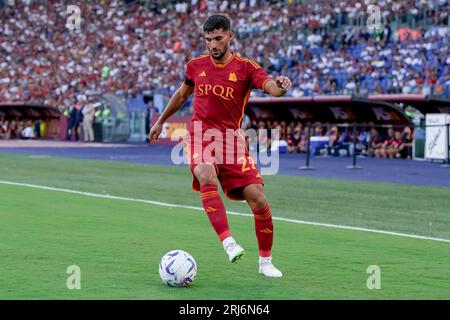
(335, 140)
(27, 128)
(128, 48)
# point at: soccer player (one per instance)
(221, 82)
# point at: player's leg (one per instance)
(212, 203)
(257, 201)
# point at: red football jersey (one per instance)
(222, 90)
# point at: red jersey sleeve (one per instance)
(258, 76)
(188, 77)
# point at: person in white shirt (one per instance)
(27, 132)
(88, 120)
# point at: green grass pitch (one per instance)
(118, 244)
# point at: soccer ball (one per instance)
(177, 268)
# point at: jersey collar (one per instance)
(222, 65)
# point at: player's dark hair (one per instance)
(217, 22)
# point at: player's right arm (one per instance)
(175, 103)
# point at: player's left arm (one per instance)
(279, 87)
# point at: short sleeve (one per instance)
(188, 78)
(258, 77)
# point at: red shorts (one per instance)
(233, 175)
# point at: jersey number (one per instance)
(244, 163)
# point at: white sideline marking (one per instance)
(165, 204)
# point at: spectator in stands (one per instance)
(71, 113)
(28, 131)
(149, 113)
(438, 89)
(318, 130)
(79, 118)
(397, 141)
(333, 143)
(303, 146)
(11, 132)
(376, 143)
(389, 145)
(37, 128)
(141, 48)
(405, 149)
(338, 141)
(362, 143)
(88, 120)
(2, 130)
(5, 127)
(283, 130)
(294, 139)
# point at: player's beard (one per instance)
(219, 54)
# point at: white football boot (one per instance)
(234, 251)
(267, 268)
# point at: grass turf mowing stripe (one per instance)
(392, 233)
(378, 206)
(118, 245)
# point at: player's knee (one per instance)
(258, 200)
(261, 201)
(206, 174)
(206, 178)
